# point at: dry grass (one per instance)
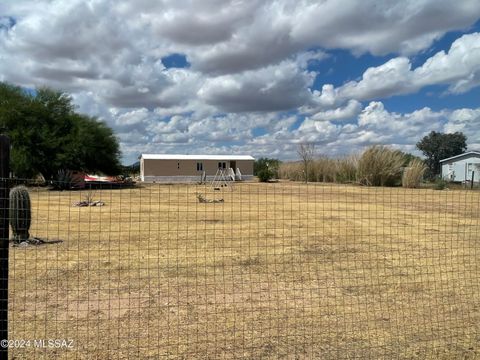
(323, 169)
(413, 174)
(282, 270)
(291, 171)
(380, 166)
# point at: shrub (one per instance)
(413, 174)
(380, 166)
(265, 175)
(440, 184)
(65, 180)
(266, 163)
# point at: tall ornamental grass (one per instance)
(380, 166)
(323, 169)
(413, 174)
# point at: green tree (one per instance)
(437, 146)
(48, 135)
(94, 146)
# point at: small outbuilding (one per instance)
(461, 167)
(190, 168)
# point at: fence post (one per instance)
(4, 239)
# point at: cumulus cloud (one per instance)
(229, 36)
(232, 46)
(373, 125)
(279, 87)
(349, 111)
(459, 68)
(468, 122)
(380, 27)
(404, 128)
(284, 27)
(393, 77)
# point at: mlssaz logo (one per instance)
(54, 343)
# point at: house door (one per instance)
(233, 165)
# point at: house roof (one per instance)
(477, 153)
(195, 157)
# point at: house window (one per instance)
(222, 165)
(199, 166)
(178, 165)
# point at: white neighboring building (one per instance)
(460, 167)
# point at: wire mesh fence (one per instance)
(254, 271)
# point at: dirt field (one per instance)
(279, 270)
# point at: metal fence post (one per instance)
(4, 239)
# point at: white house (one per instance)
(460, 167)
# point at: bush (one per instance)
(440, 184)
(266, 164)
(413, 174)
(265, 175)
(65, 180)
(380, 166)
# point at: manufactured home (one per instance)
(461, 167)
(190, 168)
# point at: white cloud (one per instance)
(405, 128)
(459, 68)
(374, 125)
(468, 122)
(233, 46)
(380, 27)
(326, 98)
(393, 77)
(349, 111)
(285, 27)
(134, 117)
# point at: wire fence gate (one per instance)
(263, 271)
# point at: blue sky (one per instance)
(254, 77)
(175, 61)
